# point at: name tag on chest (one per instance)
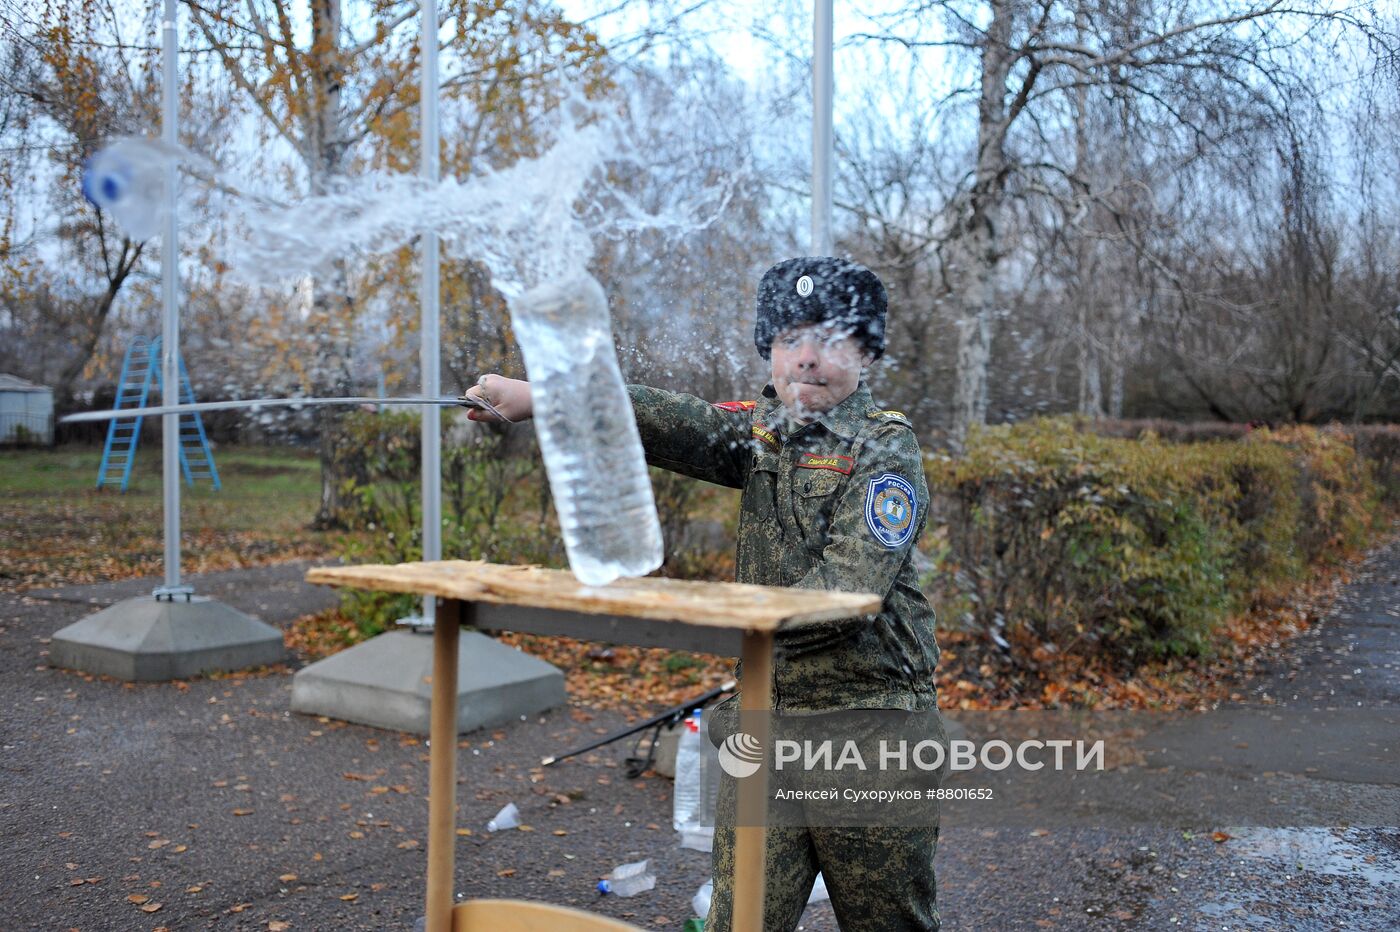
(841, 464)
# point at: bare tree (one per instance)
(1194, 67)
(68, 88)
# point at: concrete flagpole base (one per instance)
(386, 682)
(146, 638)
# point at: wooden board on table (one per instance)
(719, 605)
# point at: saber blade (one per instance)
(255, 403)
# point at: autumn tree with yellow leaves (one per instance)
(340, 88)
(63, 263)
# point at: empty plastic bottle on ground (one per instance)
(696, 787)
(127, 180)
(587, 431)
(701, 832)
(685, 795)
(628, 879)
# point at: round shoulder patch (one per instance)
(890, 508)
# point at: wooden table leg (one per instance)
(756, 696)
(442, 767)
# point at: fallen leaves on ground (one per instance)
(59, 534)
(972, 673)
(64, 554)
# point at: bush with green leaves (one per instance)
(1058, 538)
(496, 504)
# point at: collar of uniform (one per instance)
(847, 418)
(844, 420)
(769, 409)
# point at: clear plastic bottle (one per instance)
(628, 879)
(685, 797)
(587, 431)
(127, 180)
(702, 831)
(698, 829)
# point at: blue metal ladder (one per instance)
(140, 374)
(119, 452)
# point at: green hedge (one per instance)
(1378, 444)
(1050, 536)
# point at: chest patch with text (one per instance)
(841, 464)
(765, 435)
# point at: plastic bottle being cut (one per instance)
(587, 431)
(628, 879)
(127, 180)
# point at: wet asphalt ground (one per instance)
(208, 804)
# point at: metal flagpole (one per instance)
(170, 634)
(170, 330)
(822, 39)
(428, 301)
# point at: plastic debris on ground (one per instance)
(508, 817)
(700, 903)
(628, 879)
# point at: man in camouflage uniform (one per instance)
(834, 497)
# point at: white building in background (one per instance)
(26, 411)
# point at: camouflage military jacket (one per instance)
(835, 504)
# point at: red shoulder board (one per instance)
(735, 406)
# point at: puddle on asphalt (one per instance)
(1236, 909)
(1322, 851)
(1319, 852)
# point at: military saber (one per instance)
(254, 403)
(636, 764)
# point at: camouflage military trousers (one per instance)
(880, 877)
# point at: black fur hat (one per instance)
(818, 290)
